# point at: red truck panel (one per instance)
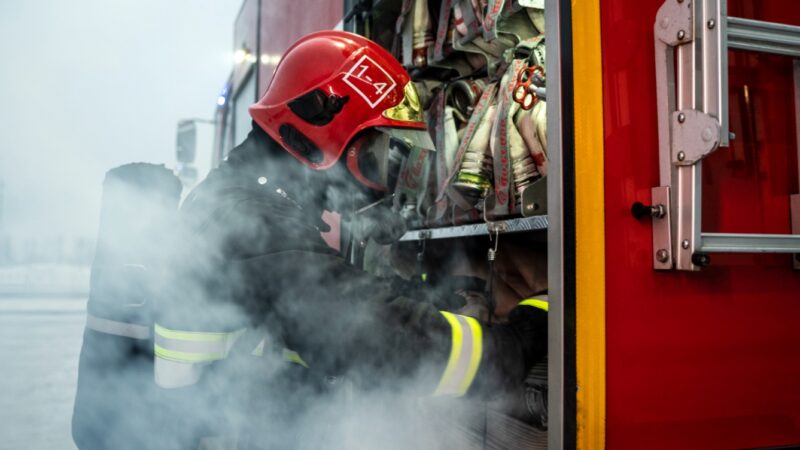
(285, 21)
(710, 359)
(245, 37)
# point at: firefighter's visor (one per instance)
(375, 159)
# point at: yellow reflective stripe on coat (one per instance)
(465, 355)
(288, 355)
(191, 335)
(193, 346)
(535, 302)
(293, 357)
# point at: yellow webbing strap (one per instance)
(535, 302)
(465, 355)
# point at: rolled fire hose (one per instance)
(474, 176)
(503, 148)
(450, 136)
(537, 17)
(523, 166)
(463, 95)
(422, 33)
(526, 126)
(540, 119)
(476, 121)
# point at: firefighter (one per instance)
(257, 310)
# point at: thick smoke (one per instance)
(230, 260)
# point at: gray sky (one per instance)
(87, 85)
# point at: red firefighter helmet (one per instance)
(328, 87)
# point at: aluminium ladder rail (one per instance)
(692, 95)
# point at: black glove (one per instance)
(529, 326)
(536, 384)
(454, 292)
(511, 349)
(514, 377)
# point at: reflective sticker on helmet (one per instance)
(370, 80)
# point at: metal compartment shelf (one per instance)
(518, 225)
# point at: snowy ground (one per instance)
(40, 339)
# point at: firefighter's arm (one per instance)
(341, 319)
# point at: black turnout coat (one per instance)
(249, 257)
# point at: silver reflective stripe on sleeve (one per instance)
(116, 328)
(172, 374)
(180, 355)
(465, 355)
(259, 350)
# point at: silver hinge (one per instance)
(695, 135)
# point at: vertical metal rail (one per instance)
(676, 91)
(686, 225)
(561, 414)
(257, 74)
(711, 35)
(706, 93)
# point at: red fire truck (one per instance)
(672, 222)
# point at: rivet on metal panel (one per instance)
(681, 118)
(711, 24)
(534, 198)
(685, 244)
(681, 35)
(681, 156)
(662, 255)
(731, 136)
